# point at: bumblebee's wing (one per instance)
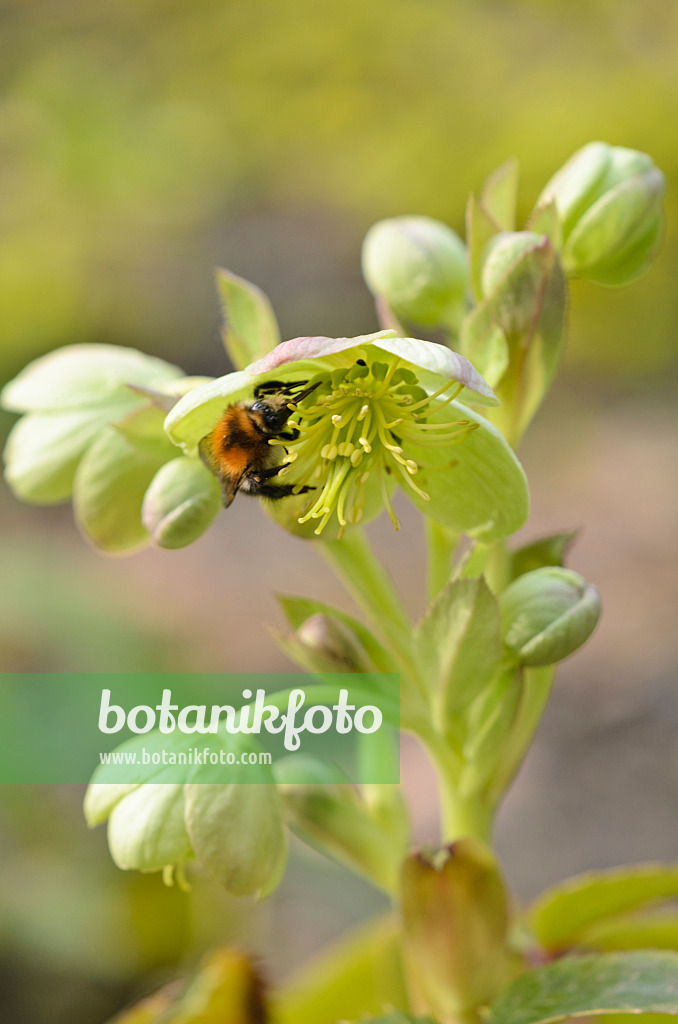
(229, 484)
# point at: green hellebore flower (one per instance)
(548, 614)
(383, 413)
(68, 397)
(234, 831)
(419, 267)
(609, 205)
(93, 430)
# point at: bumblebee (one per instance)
(238, 452)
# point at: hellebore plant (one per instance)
(440, 420)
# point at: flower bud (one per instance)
(455, 919)
(548, 614)
(418, 265)
(180, 503)
(501, 253)
(609, 204)
(332, 645)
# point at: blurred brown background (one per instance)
(142, 143)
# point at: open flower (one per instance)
(383, 413)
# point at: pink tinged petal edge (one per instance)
(427, 355)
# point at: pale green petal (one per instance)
(102, 797)
(78, 376)
(196, 413)
(485, 494)
(237, 833)
(43, 450)
(146, 829)
(110, 484)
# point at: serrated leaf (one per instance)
(459, 639)
(563, 914)
(549, 550)
(250, 328)
(499, 195)
(645, 982)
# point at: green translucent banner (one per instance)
(131, 728)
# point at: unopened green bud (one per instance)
(609, 203)
(501, 253)
(548, 614)
(332, 645)
(181, 501)
(419, 266)
(455, 920)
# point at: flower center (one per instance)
(355, 428)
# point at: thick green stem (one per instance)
(460, 816)
(440, 542)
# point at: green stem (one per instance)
(373, 591)
(537, 686)
(460, 816)
(440, 543)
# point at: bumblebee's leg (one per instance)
(266, 474)
(290, 435)
(276, 387)
(269, 387)
(275, 491)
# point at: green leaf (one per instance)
(549, 550)
(480, 228)
(644, 982)
(529, 305)
(483, 342)
(545, 221)
(563, 914)
(490, 721)
(396, 1018)
(358, 975)
(499, 195)
(651, 931)
(250, 327)
(459, 640)
(298, 609)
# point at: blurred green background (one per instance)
(144, 142)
